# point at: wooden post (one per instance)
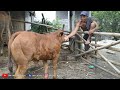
(70, 27)
(78, 43)
(95, 52)
(43, 19)
(71, 45)
(63, 27)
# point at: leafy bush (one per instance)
(109, 20)
(43, 29)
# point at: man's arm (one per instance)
(94, 26)
(73, 32)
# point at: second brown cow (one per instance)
(27, 46)
(5, 26)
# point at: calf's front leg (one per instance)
(45, 69)
(55, 67)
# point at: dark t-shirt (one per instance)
(88, 24)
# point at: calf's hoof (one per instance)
(19, 77)
(46, 76)
(54, 77)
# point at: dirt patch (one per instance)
(68, 67)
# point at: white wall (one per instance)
(49, 15)
(63, 16)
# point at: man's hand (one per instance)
(91, 32)
(93, 27)
(66, 38)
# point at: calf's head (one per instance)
(60, 35)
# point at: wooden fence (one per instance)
(95, 48)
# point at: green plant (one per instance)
(56, 23)
(43, 29)
(109, 20)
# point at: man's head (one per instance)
(84, 15)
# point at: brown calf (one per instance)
(27, 46)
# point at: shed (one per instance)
(22, 16)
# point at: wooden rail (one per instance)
(103, 33)
(34, 23)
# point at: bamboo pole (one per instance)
(103, 33)
(79, 50)
(113, 62)
(106, 60)
(97, 33)
(34, 23)
(116, 69)
(48, 26)
(117, 42)
(95, 52)
(81, 37)
(110, 61)
(111, 48)
(91, 45)
(102, 55)
(101, 68)
(85, 40)
(97, 45)
(78, 41)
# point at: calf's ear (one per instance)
(61, 34)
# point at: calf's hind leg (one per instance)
(20, 73)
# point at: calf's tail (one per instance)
(10, 63)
